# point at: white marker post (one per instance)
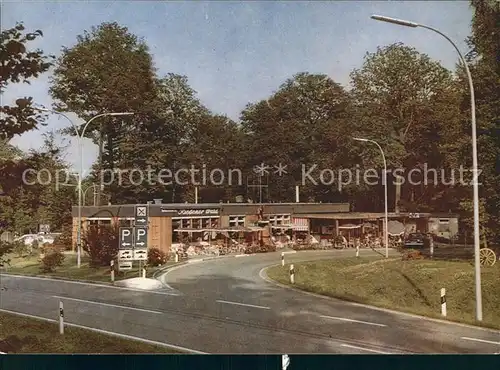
(61, 318)
(282, 258)
(443, 302)
(144, 273)
(432, 246)
(357, 250)
(292, 274)
(176, 256)
(112, 268)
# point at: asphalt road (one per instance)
(225, 306)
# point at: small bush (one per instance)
(21, 249)
(156, 257)
(101, 244)
(412, 254)
(65, 239)
(260, 249)
(51, 260)
(5, 249)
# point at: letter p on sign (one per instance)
(125, 234)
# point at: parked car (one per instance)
(41, 238)
(417, 240)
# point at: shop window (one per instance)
(235, 221)
(196, 223)
(209, 223)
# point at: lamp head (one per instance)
(122, 114)
(399, 22)
(360, 139)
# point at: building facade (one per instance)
(175, 223)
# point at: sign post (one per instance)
(44, 228)
(141, 221)
(126, 248)
(112, 267)
(141, 243)
(61, 318)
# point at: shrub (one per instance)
(260, 249)
(412, 254)
(64, 241)
(51, 260)
(101, 244)
(5, 248)
(21, 249)
(156, 257)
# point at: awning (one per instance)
(300, 224)
(220, 230)
(349, 226)
(395, 228)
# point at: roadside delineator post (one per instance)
(143, 273)
(282, 258)
(61, 318)
(357, 250)
(176, 256)
(432, 246)
(292, 274)
(443, 301)
(112, 268)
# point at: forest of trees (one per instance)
(417, 110)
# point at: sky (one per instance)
(234, 53)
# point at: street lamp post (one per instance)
(477, 265)
(386, 214)
(80, 175)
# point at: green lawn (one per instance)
(413, 286)
(30, 265)
(20, 334)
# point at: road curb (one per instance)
(166, 271)
(263, 276)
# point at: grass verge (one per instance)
(20, 334)
(30, 266)
(410, 286)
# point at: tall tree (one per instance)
(401, 99)
(34, 192)
(108, 70)
(20, 64)
(302, 124)
(484, 62)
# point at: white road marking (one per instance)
(195, 261)
(243, 304)
(290, 252)
(87, 284)
(124, 336)
(351, 320)
(480, 340)
(242, 255)
(106, 304)
(364, 349)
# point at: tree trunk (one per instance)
(398, 197)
